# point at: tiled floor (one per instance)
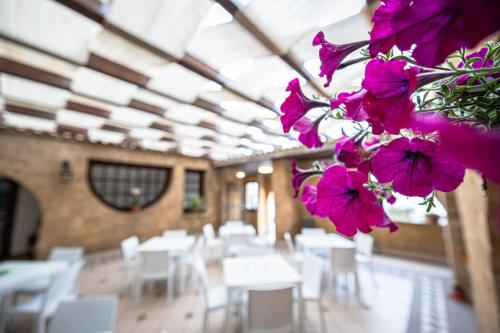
(410, 297)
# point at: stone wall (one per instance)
(73, 215)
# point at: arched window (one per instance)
(128, 186)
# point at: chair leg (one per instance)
(322, 317)
(374, 278)
(138, 290)
(39, 325)
(123, 281)
(170, 289)
(205, 322)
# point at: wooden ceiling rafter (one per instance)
(111, 68)
(38, 75)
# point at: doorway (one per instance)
(19, 220)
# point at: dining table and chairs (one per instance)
(269, 281)
(37, 287)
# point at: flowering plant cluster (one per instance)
(427, 110)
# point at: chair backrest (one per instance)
(312, 272)
(343, 260)
(154, 263)
(313, 231)
(289, 242)
(234, 223)
(175, 233)
(270, 310)
(239, 238)
(67, 254)
(63, 286)
(89, 315)
(130, 247)
(364, 244)
(208, 232)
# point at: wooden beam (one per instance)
(62, 129)
(85, 108)
(114, 69)
(162, 127)
(92, 9)
(209, 106)
(143, 106)
(114, 128)
(32, 73)
(29, 110)
(207, 125)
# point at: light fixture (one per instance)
(265, 168)
(65, 171)
(240, 174)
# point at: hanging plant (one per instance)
(426, 111)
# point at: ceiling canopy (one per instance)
(204, 78)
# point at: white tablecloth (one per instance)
(323, 242)
(255, 271)
(237, 230)
(170, 244)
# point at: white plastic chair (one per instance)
(155, 266)
(175, 233)
(215, 297)
(213, 244)
(295, 256)
(343, 263)
(234, 223)
(313, 231)
(237, 242)
(270, 311)
(67, 254)
(130, 250)
(89, 315)
(312, 286)
(43, 305)
(364, 253)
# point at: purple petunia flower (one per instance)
(346, 151)
(331, 55)
(309, 131)
(296, 105)
(465, 144)
(309, 199)
(437, 27)
(348, 204)
(415, 167)
(389, 87)
(299, 176)
(387, 223)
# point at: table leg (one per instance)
(228, 310)
(301, 308)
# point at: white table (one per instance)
(257, 271)
(21, 272)
(246, 229)
(322, 242)
(174, 245)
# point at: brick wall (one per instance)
(73, 215)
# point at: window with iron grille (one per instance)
(194, 191)
(128, 186)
